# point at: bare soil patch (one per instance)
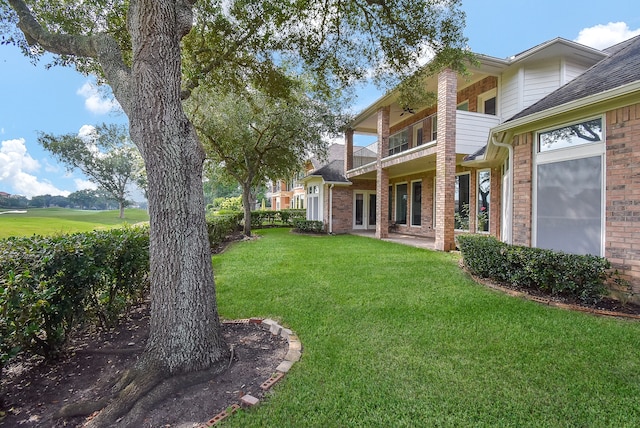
(34, 390)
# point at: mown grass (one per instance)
(396, 336)
(50, 221)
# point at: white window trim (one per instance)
(564, 154)
(458, 175)
(477, 196)
(492, 93)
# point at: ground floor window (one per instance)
(461, 214)
(568, 207)
(401, 203)
(484, 193)
(313, 203)
(416, 203)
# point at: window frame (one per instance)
(563, 154)
(413, 199)
(396, 204)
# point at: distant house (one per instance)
(4, 194)
(291, 193)
(539, 149)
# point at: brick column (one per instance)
(348, 150)
(382, 176)
(446, 161)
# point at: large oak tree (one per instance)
(136, 46)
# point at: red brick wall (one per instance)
(446, 160)
(622, 244)
(522, 188)
(472, 92)
(342, 208)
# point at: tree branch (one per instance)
(101, 47)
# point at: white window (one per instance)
(399, 142)
(487, 102)
(484, 199)
(313, 203)
(461, 214)
(418, 134)
(569, 188)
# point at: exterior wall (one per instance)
(382, 176)
(342, 209)
(472, 92)
(446, 160)
(622, 244)
(510, 98)
(426, 206)
(522, 189)
(540, 80)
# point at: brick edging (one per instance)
(294, 353)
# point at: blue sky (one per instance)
(60, 100)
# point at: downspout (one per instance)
(509, 147)
(331, 208)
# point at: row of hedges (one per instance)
(259, 218)
(581, 276)
(308, 226)
(51, 285)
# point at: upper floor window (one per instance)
(418, 134)
(399, 142)
(571, 136)
(487, 102)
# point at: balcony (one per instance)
(472, 133)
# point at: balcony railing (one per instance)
(365, 155)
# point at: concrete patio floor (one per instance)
(400, 238)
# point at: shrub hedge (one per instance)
(308, 226)
(556, 273)
(52, 284)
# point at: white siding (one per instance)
(573, 69)
(472, 131)
(540, 80)
(509, 94)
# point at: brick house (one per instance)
(291, 193)
(538, 149)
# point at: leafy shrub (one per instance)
(219, 226)
(308, 226)
(290, 216)
(50, 285)
(557, 273)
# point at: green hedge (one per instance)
(308, 226)
(556, 273)
(50, 285)
(221, 225)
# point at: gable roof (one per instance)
(618, 69)
(333, 172)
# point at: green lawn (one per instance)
(396, 336)
(49, 221)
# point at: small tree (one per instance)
(256, 136)
(106, 155)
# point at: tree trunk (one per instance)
(121, 207)
(246, 204)
(184, 330)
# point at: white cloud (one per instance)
(96, 101)
(85, 184)
(602, 36)
(15, 168)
